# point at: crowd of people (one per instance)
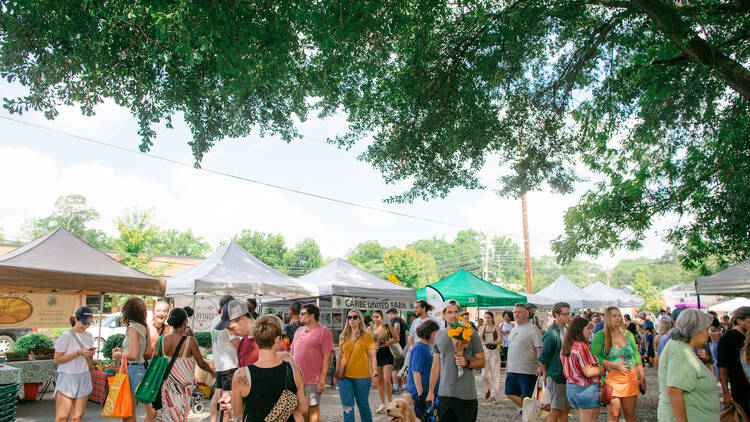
(265, 370)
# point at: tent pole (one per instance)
(192, 319)
(697, 296)
(101, 312)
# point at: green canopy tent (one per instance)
(470, 290)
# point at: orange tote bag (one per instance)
(119, 403)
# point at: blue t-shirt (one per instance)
(662, 342)
(420, 360)
(598, 327)
(649, 343)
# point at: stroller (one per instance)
(196, 400)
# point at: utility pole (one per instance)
(526, 246)
(486, 261)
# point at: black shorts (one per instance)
(452, 409)
(384, 356)
(224, 380)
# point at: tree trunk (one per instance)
(697, 49)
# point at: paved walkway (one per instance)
(504, 410)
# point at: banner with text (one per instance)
(36, 310)
(341, 302)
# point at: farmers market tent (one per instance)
(60, 261)
(563, 290)
(232, 270)
(541, 301)
(733, 281)
(611, 296)
(470, 290)
(340, 278)
(730, 305)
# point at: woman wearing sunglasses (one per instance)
(357, 354)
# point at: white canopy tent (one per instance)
(730, 305)
(340, 278)
(612, 296)
(564, 290)
(733, 281)
(232, 270)
(538, 300)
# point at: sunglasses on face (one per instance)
(355, 317)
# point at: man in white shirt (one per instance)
(224, 347)
(421, 307)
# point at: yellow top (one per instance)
(357, 362)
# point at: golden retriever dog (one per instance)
(401, 409)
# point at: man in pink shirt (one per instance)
(312, 348)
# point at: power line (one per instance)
(245, 179)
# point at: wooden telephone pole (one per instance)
(526, 246)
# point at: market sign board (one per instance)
(342, 302)
(205, 309)
(36, 310)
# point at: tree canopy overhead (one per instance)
(652, 96)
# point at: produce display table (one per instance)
(9, 374)
(39, 372)
(100, 387)
(33, 371)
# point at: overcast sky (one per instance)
(37, 166)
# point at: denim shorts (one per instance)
(581, 397)
(73, 386)
(521, 385)
(136, 371)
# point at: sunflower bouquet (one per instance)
(460, 332)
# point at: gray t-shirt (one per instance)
(523, 341)
(451, 385)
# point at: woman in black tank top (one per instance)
(257, 388)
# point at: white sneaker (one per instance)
(381, 409)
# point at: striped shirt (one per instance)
(580, 357)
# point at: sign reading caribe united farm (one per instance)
(340, 302)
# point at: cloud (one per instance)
(212, 206)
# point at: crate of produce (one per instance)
(16, 356)
(41, 353)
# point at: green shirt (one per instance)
(680, 368)
(550, 356)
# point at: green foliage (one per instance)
(413, 268)
(663, 273)
(303, 258)
(368, 255)
(32, 341)
(115, 340)
(72, 214)
(268, 248)
(137, 237)
(650, 97)
(644, 288)
(204, 339)
(175, 242)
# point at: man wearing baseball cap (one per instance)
(236, 317)
(730, 369)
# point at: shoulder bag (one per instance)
(494, 338)
(287, 402)
(340, 369)
(149, 389)
(395, 348)
(75, 336)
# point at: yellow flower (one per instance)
(467, 325)
(466, 335)
(452, 333)
(470, 331)
(460, 318)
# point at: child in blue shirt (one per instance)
(420, 364)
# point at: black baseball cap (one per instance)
(85, 314)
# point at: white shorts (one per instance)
(74, 386)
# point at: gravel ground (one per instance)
(504, 410)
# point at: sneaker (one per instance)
(381, 409)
